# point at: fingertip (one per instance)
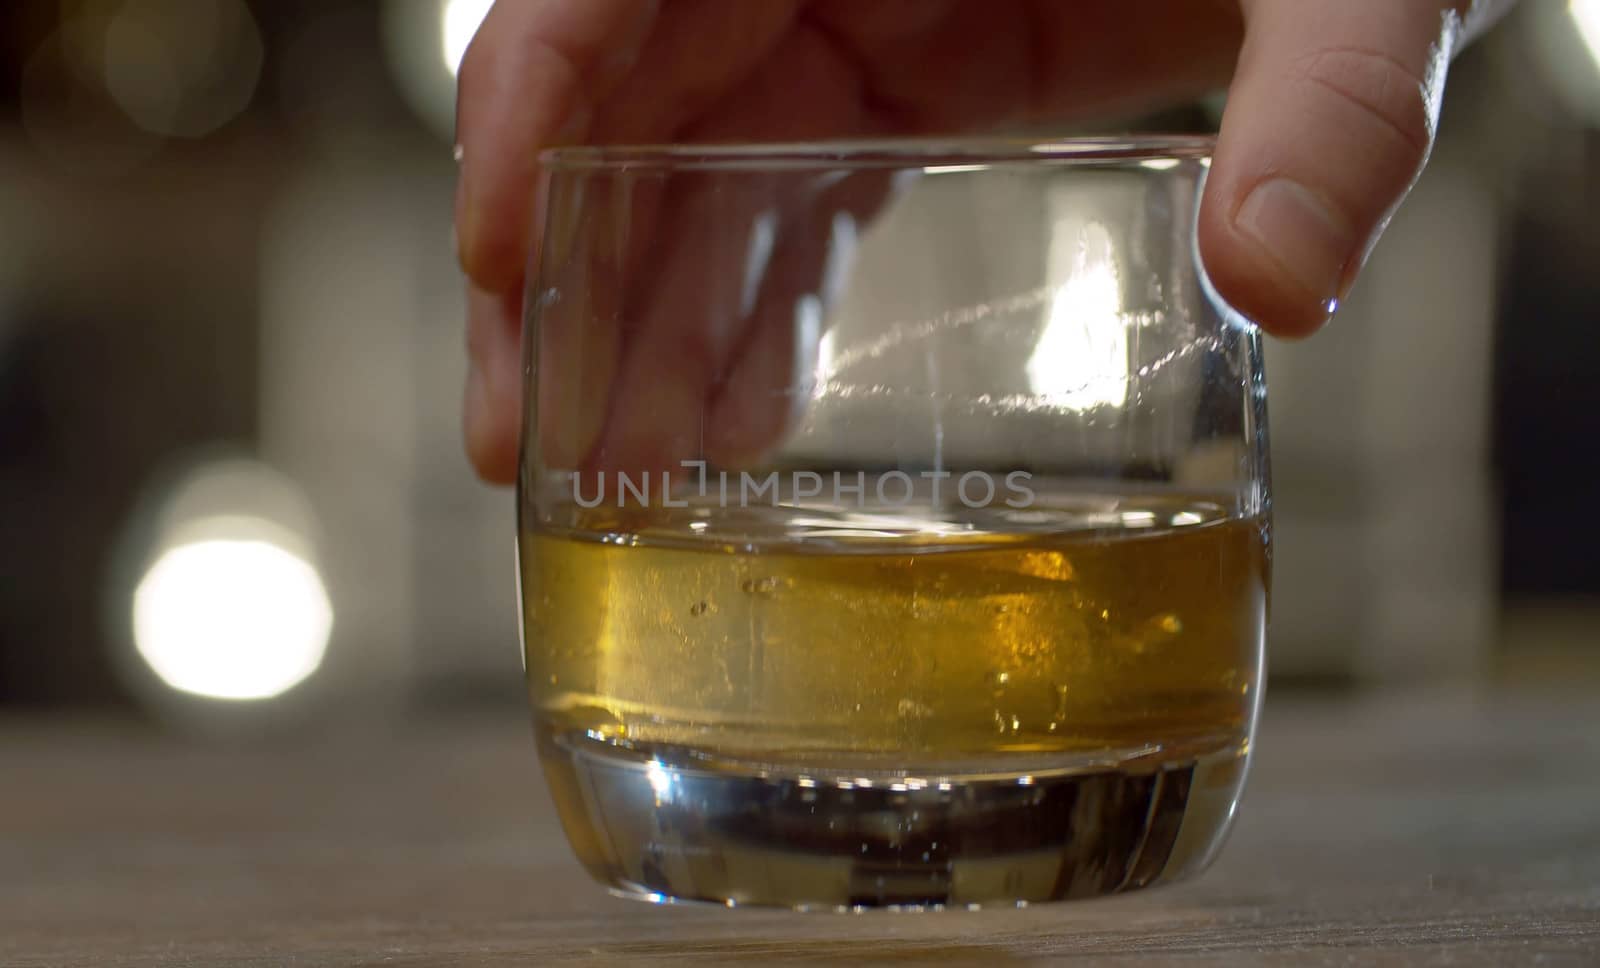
(491, 252)
(1252, 277)
(490, 442)
(493, 213)
(475, 431)
(492, 402)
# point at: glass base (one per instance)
(675, 824)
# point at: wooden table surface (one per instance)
(1402, 831)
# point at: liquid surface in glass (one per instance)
(926, 650)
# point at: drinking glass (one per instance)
(893, 520)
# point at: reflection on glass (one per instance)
(1081, 360)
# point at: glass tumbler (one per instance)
(893, 520)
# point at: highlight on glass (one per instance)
(894, 521)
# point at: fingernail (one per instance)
(1311, 241)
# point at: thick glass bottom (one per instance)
(677, 824)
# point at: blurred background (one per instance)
(231, 486)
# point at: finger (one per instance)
(699, 52)
(934, 64)
(939, 66)
(577, 317)
(492, 408)
(1331, 117)
(1109, 58)
(693, 305)
(681, 316)
(531, 76)
(770, 379)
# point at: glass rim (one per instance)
(883, 153)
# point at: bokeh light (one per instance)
(230, 618)
(1563, 58)
(69, 116)
(1586, 14)
(458, 21)
(227, 599)
(101, 94)
(424, 41)
(179, 67)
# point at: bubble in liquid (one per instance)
(911, 709)
(760, 586)
(699, 608)
(1048, 565)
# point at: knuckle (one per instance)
(1375, 93)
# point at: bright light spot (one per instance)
(1081, 360)
(825, 357)
(1183, 518)
(231, 619)
(458, 21)
(1159, 164)
(660, 779)
(843, 243)
(1024, 781)
(1138, 519)
(807, 337)
(952, 169)
(763, 236)
(1586, 14)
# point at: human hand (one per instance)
(1332, 110)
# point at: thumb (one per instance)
(1330, 118)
